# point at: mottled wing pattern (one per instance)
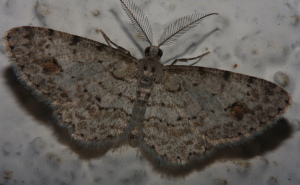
(89, 85)
(212, 103)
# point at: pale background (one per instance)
(257, 38)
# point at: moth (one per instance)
(177, 114)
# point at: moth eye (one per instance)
(147, 50)
(160, 52)
(145, 68)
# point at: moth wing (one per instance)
(88, 84)
(196, 109)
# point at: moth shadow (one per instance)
(43, 114)
(268, 141)
(191, 48)
(126, 31)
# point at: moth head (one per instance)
(153, 51)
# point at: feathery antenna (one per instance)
(138, 19)
(180, 26)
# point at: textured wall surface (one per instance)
(256, 38)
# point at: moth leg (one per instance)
(108, 41)
(187, 59)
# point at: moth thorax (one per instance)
(151, 67)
